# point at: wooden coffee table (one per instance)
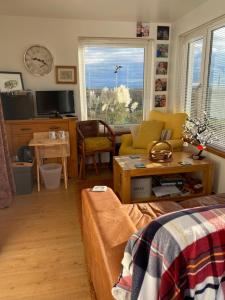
(124, 170)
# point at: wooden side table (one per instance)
(124, 170)
(47, 148)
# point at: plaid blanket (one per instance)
(180, 255)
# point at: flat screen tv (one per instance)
(18, 106)
(52, 102)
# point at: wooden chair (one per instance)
(46, 150)
(94, 137)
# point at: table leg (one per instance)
(64, 163)
(207, 180)
(125, 188)
(38, 167)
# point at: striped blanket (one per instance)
(180, 255)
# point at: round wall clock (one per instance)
(38, 60)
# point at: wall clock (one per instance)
(38, 60)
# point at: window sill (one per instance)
(215, 151)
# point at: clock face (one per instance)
(38, 60)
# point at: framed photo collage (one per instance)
(161, 66)
(161, 61)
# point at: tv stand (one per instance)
(55, 114)
(20, 132)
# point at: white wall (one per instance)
(205, 13)
(60, 36)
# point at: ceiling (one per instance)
(112, 10)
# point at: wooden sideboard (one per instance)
(20, 132)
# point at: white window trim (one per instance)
(206, 32)
(147, 44)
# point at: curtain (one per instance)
(7, 186)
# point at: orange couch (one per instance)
(107, 225)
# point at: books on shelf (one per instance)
(162, 191)
(169, 180)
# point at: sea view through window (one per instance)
(114, 83)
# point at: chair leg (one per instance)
(82, 168)
(100, 159)
(95, 165)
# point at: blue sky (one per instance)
(100, 64)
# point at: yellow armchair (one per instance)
(171, 121)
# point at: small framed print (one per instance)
(66, 74)
(11, 81)
(162, 50)
(160, 84)
(142, 29)
(161, 68)
(160, 100)
(163, 33)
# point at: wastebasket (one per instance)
(23, 177)
(51, 174)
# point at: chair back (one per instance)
(89, 128)
(173, 121)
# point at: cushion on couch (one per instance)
(147, 132)
(172, 121)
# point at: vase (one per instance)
(198, 156)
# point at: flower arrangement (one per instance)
(197, 131)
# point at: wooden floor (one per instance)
(41, 251)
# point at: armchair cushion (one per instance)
(173, 121)
(147, 132)
(127, 148)
(97, 143)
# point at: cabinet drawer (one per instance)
(53, 127)
(22, 129)
(30, 128)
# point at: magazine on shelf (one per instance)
(166, 190)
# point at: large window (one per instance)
(205, 79)
(113, 85)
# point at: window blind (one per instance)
(205, 83)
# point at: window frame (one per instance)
(114, 42)
(204, 32)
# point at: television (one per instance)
(54, 102)
(18, 106)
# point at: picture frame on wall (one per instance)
(160, 84)
(143, 29)
(160, 100)
(11, 81)
(161, 67)
(162, 50)
(66, 74)
(163, 33)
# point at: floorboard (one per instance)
(41, 250)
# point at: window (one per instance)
(113, 81)
(204, 83)
(193, 78)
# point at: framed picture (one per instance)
(142, 29)
(66, 74)
(163, 32)
(160, 84)
(161, 68)
(160, 100)
(11, 81)
(162, 50)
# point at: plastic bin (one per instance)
(51, 174)
(23, 177)
(141, 187)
